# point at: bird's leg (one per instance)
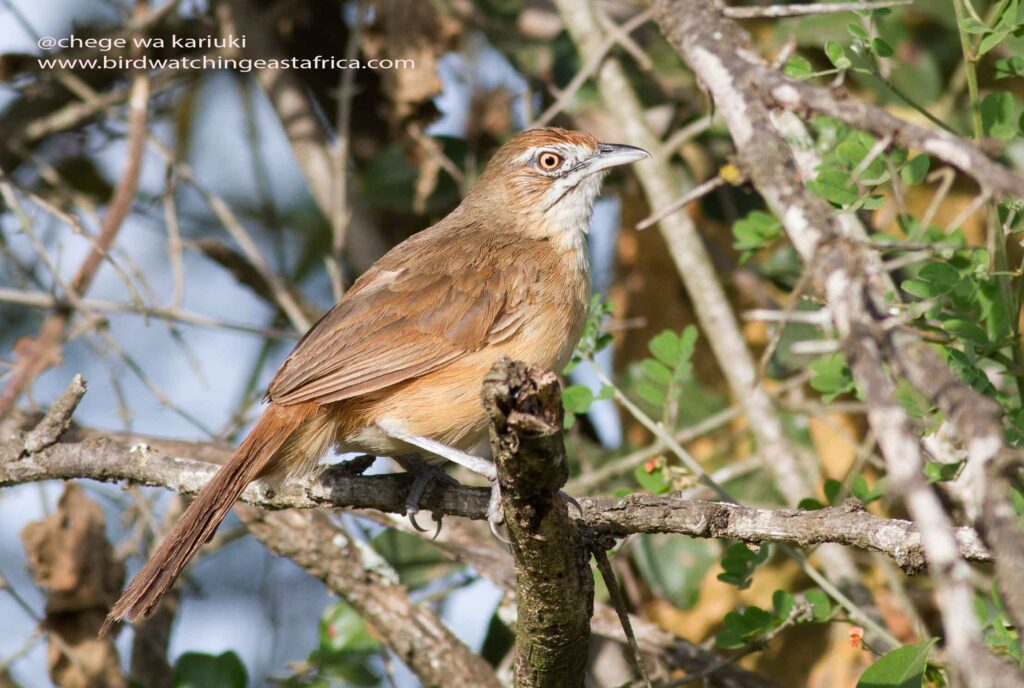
(480, 466)
(474, 463)
(423, 474)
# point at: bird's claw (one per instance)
(495, 514)
(424, 474)
(411, 513)
(571, 501)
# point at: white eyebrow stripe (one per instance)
(570, 151)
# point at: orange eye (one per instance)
(549, 161)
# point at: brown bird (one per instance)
(396, 367)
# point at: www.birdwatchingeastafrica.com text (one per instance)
(192, 62)
(241, 64)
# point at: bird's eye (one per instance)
(548, 161)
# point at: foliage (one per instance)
(197, 670)
(903, 667)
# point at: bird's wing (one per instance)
(423, 305)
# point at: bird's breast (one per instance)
(545, 315)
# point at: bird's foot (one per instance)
(571, 501)
(423, 473)
(496, 515)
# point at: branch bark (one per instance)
(184, 467)
(718, 51)
(554, 583)
(793, 476)
(353, 569)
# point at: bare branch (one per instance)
(782, 11)
(804, 97)
(44, 351)
(106, 457)
(554, 584)
(57, 418)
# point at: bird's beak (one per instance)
(615, 154)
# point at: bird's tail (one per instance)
(197, 525)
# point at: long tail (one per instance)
(197, 525)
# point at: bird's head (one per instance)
(550, 177)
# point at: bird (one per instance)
(396, 367)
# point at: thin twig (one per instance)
(289, 306)
(587, 70)
(619, 603)
(783, 11)
(692, 195)
(44, 351)
(43, 300)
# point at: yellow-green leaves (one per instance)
(903, 667)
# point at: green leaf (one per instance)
(654, 482)
(665, 347)
(577, 399)
(831, 489)
(916, 170)
(881, 48)
(687, 344)
(866, 494)
(743, 627)
(831, 377)
(810, 504)
(993, 310)
(972, 25)
(992, 40)
(834, 185)
(655, 396)
(821, 605)
(798, 68)
(197, 670)
(903, 667)
(851, 152)
(939, 472)
(836, 55)
(942, 274)
(783, 603)
(921, 289)
(739, 562)
(997, 115)
(344, 646)
(342, 629)
(656, 371)
(756, 230)
(857, 31)
(965, 329)
(873, 202)
(933, 279)
(1010, 67)
(674, 565)
(416, 560)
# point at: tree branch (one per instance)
(34, 356)
(108, 457)
(804, 97)
(351, 568)
(554, 584)
(718, 51)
